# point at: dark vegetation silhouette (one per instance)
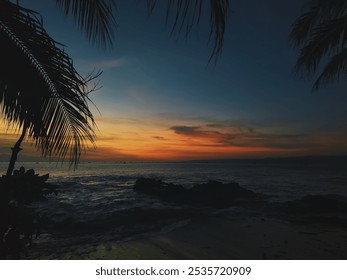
(44, 98)
(42, 95)
(19, 223)
(321, 35)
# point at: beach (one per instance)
(290, 209)
(221, 236)
(126, 143)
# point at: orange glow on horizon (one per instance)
(155, 139)
(159, 143)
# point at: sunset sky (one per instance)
(161, 100)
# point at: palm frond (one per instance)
(318, 11)
(184, 15)
(321, 34)
(303, 27)
(97, 19)
(40, 87)
(325, 39)
(94, 17)
(336, 67)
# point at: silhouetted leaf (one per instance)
(185, 14)
(321, 35)
(40, 88)
(95, 18)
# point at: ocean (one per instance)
(96, 203)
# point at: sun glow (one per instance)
(155, 138)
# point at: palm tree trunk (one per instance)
(15, 150)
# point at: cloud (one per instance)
(281, 141)
(186, 130)
(200, 133)
(228, 135)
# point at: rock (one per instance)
(177, 193)
(212, 193)
(161, 189)
(220, 195)
(218, 189)
(149, 186)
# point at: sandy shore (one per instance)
(222, 236)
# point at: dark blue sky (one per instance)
(157, 88)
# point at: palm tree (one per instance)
(321, 35)
(44, 97)
(40, 91)
(42, 94)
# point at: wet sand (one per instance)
(221, 236)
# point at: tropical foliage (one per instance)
(183, 15)
(321, 35)
(41, 93)
(44, 97)
(97, 18)
(20, 223)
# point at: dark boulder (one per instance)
(217, 189)
(219, 194)
(212, 193)
(163, 190)
(149, 186)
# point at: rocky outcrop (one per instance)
(212, 193)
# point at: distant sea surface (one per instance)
(285, 178)
(96, 203)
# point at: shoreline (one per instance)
(223, 235)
